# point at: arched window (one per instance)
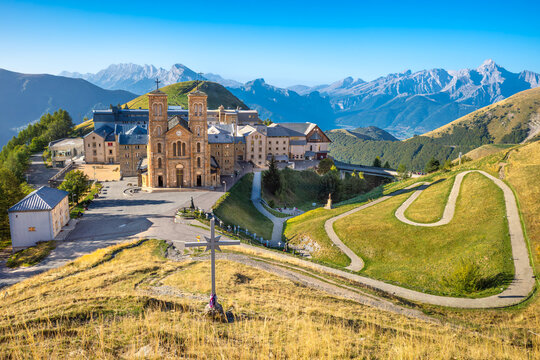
(158, 130)
(159, 148)
(198, 162)
(159, 164)
(198, 131)
(157, 109)
(183, 149)
(174, 149)
(198, 147)
(200, 109)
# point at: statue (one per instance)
(329, 202)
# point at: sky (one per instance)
(284, 42)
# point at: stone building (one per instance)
(131, 150)
(255, 139)
(100, 146)
(178, 154)
(226, 146)
(168, 146)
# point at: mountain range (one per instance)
(25, 97)
(404, 104)
(513, 120)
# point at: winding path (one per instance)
(518, 290)
(278, 222)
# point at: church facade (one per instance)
(173, 147)
(178, 154)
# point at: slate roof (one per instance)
(177, 119)
(136, 130)
(298, 142)
(66, 142)
(302, 128)
(44, 198)
(136, 139)
(277, 131)
(104, 131)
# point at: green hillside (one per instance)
(510, 121)
(217, 95)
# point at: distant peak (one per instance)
(488, 64)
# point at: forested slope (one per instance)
(510, 121)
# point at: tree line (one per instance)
(329, 182)
(413, 153)
(15, 157)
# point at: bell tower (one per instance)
(198, 124)
(157, 127)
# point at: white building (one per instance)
(65, 150)
(38, 217)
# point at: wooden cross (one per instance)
(157, 84)
(212, 243)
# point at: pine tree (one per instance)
(272, 178)
(432, 165)
(377, 162)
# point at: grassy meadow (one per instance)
(429, 206)
(419, 257)
(311, 224)
(236, 208)
(108, 305)
(300, 189)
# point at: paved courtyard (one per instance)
(115, 217)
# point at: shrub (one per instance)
(465, 278)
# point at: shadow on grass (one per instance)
(498, 280)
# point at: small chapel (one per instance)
(178, 153)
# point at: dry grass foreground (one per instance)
(104, 306)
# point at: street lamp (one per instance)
(224, 186)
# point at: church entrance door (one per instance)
(179, 177)
(160, 181)
(199, 180)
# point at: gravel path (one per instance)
(522, 284)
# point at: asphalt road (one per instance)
(115, 217)
(38, 174)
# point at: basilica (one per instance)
(172, 147)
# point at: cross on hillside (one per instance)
(157, 84)
(212, 243)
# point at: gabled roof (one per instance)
(177, 119)
(278, 131)
(44, 198)
(137, 130)
(302, 128)
(103, 131)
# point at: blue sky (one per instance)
(286, 42)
